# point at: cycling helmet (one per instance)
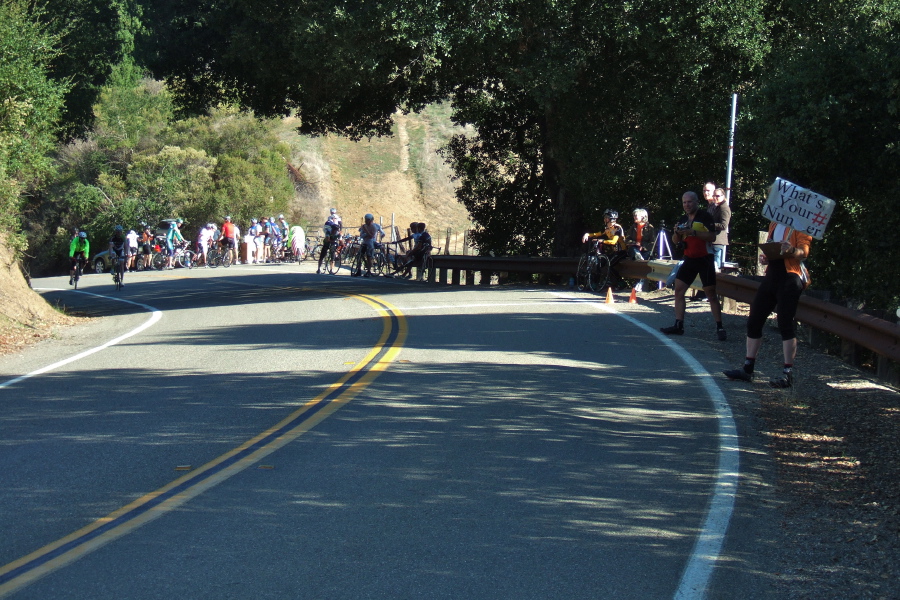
(83, 234)
(281, 217)
(228, 218)
(179, 221)
(369, 217)
(118, 228)
(254, 221)
(334, 211)
(612, 214)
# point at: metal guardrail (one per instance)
(870, 332)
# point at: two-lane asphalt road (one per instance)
(263, 432)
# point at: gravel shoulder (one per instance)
(823, 459)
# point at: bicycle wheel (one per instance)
(186, 259)
(598, 276)
(336, 260)
(120, 273)
(225, 258)
(378, 262)
(358, 262)
(159, 261)
(328, 262)
(77, 275)
(582, 275)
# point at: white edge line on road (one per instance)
(699, 569)
(155, 315)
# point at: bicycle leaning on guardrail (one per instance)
(593, 269)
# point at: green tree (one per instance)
(96, 35)
(827, 117)
(30, 104)
(140, 164)
(596, 86)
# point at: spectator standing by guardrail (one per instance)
(779, 291)
(695, 231)
(721, 214)
(640, 239)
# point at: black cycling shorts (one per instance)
(704, 266)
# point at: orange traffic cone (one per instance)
(609, 296)
(633, 298)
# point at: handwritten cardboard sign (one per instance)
(799, 208)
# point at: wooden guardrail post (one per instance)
(887, 370)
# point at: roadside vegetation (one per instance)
(545, 113)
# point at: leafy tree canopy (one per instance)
(30, 103)
(140, 164)
(95, 35)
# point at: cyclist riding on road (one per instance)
(79, 248)
(117, 248)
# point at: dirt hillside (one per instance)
(401, 176)
(24, 315)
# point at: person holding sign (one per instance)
(697, 230)
(780, 290)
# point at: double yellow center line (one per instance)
(51, 557)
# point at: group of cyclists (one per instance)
(371, 234)
(124, 249)
(268, 240)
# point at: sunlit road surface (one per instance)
(438, 443)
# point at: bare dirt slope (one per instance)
(24, 316)
(400, 177)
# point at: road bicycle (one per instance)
(183, 256)
(313, 247)
(79, 269)
(392, 259)
(117, 268)
(218, 257)
(332, 261)
(593, 269)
